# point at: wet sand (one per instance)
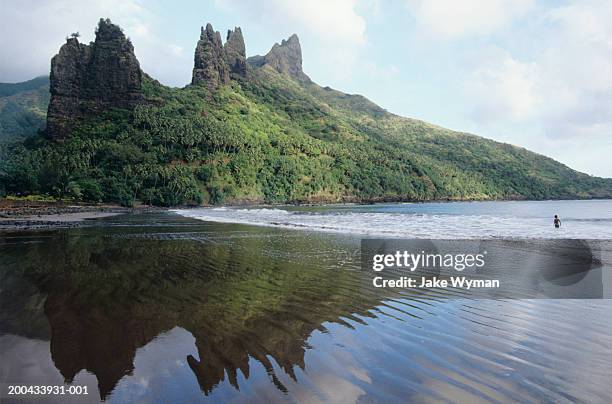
(21, 215)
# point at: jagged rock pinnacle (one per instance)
(88, 79)
(235, 53)
(285, 58)
(210, 67)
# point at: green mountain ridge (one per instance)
(260, 131)
(23, 108)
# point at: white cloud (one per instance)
(501, 87)
(452, 18)
(577, 72)
(567, 78)
(554, 75)
(33, 31)
(331, 20)
(387, 72)
(140, 30)
(177, 50)
(332, 32)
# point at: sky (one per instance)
(536, 74)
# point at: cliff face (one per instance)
(209, 67)
(215, 63)
(285, 58)
(235, 53)
(88, 79)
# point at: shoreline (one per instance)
(27, 215)
(255, 204)
(374, 201)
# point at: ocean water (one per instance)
(271, 305)
(516, 219)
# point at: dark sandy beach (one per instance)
(23, 215)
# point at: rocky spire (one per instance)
(210, 67)
(88, 79)
(235, 53)
(286, 58)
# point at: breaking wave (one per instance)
(402, 221)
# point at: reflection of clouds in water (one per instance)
(332, 375)
(331, 388)
(466, 351)
(470, 359)
(574, 362)
(28, 360)
(161, 373)
(525, 349)
(536, 340)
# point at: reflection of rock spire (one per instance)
(116, 296)
(104, 342)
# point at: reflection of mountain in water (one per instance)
(104, 297)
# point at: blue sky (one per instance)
(537, 74)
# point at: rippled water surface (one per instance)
(166, 308)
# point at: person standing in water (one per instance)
(557, 222)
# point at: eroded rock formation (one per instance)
(235, 53)
(210, 67)
(285, 58)
(88, 79)
(215, 63)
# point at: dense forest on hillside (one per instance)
(23, 108)
(276, 139)
(272, 140)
